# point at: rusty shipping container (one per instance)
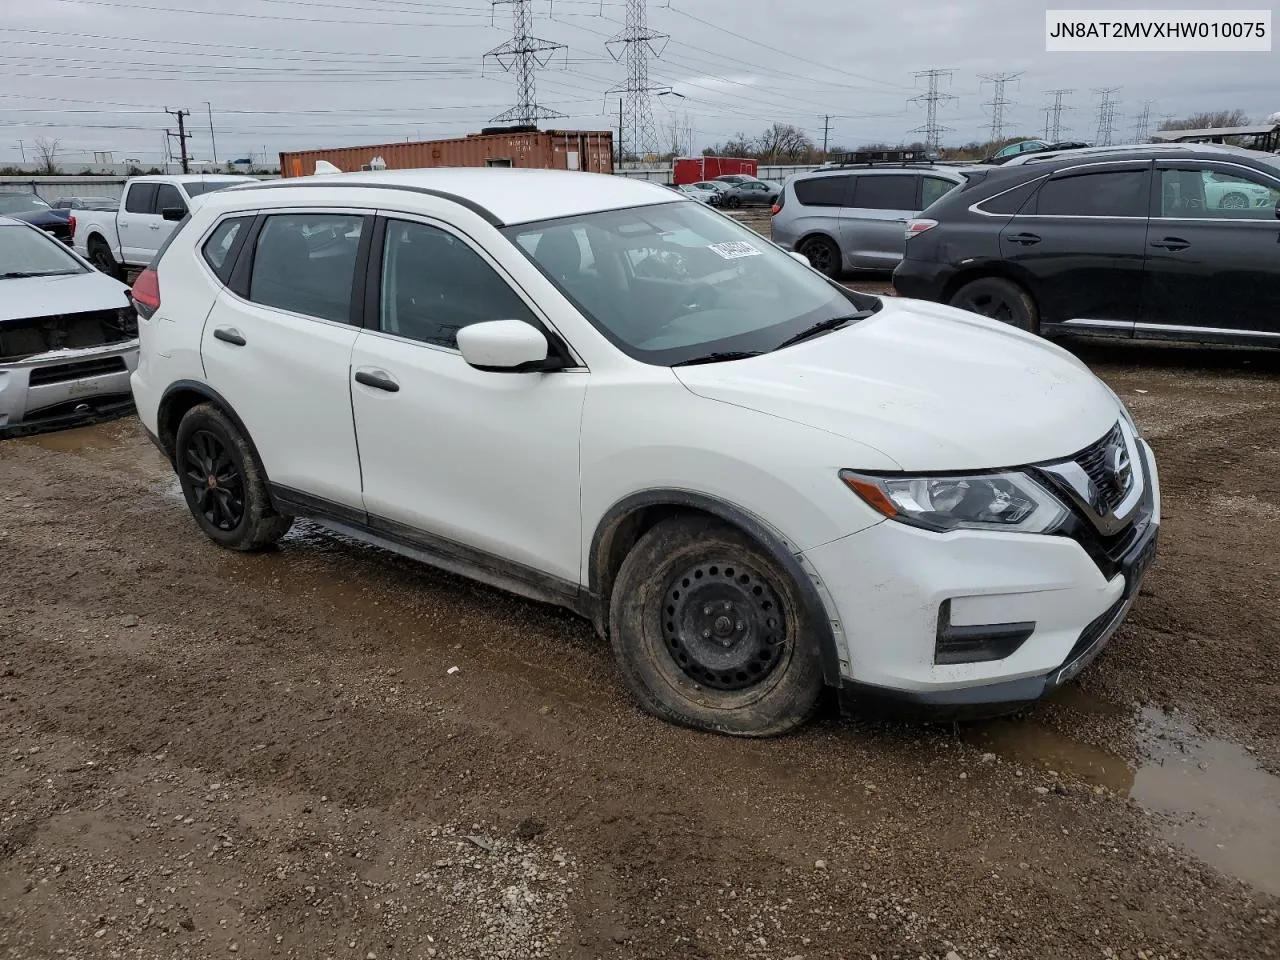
(589, 150)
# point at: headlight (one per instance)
(988, 501)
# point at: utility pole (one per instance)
(182, 135)
(524, 53)
(213, 140)
(1106, 114)
(639, 42)
(620, 153)
(997, 103)
(932, 130)
(1142, 126)
(826, 133)
(1053, 115)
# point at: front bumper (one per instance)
(890, 582)
(66, 386)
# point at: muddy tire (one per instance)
(100, 256)
(222, 482)
(1001, 300)
(823, 255)
(709, 632)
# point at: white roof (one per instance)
(511, 195)
(191, 177)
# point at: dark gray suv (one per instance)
(853, 216)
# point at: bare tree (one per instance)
(679, 132)
(1212, 118)
(47, 150)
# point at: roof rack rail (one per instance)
(867, 158)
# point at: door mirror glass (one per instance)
(173, 214)
(502, 345)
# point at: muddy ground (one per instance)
(212, 755)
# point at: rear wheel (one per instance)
(823, 255)
(1001, 300)
(223, 482)
(100, 256)
(710, 632)
(733, 203)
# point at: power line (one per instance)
(638, 42)
(1106, 114)
(1053, 115)
(523, 53)
(932, 130)
(997, 103)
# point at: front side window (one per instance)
(1215, 194)
(676, 283)
(306, 263)
(433, 285)
(141, 198)
(885, 192)
(26, 252)
(1112, 193)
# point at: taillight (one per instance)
(917, 227)
(71, 222)
(775, 209)
(146, 293)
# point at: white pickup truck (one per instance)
(114, 240)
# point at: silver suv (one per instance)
(853, 216)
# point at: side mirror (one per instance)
(795, 255)
(511, 346)
(173, 214)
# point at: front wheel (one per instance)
(223, 483)
(1234, 201)
(709, 632)
(1001, 300)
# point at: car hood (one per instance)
(931, 387)
(48, 296)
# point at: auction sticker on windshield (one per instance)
(735, 249)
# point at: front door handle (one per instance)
(377, 379)
(1026, 239)
(229, 335)
(1171, 243)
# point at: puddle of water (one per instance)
(116, 444)
(1208, 795)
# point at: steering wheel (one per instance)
(698, 296)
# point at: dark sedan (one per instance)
(753, 193)
(29, 207)
(1168, 242)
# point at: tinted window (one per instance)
(168, 196)
(886, 192)
(21, 203)
(823, 191)
(1011, 201)
(1117, 193)
(933, 189)
(141, 198)
(306, 262)
(197, 187)
(219, 246)
(1207, 193)
(433, 285)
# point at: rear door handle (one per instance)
(1026, 239)
(1171, 243)
(229, 335)
(377, 379)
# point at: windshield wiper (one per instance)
(28, 274)
(822, 326)
(719, 357)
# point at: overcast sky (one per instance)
(293, 74)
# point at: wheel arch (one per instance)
(181, 396)
(630, 518)
(991, 268)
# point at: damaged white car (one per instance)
(68, 334)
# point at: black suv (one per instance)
(1177, 241)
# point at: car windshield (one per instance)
(677, 282)
(196, 187)
(21, 203)
(27, 252)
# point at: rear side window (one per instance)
(306, 263)
(167, 196)
(141, 198)
(824, 191)
(1010, 201)
(886, 192)
(1114, 193)
(219, 248)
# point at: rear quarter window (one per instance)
(824, 191)
(1010, 201)
(220, 250)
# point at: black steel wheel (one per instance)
(100, 256)
(1001, 300)
(223, 482)
(710, 631)
(823, 255)
(723, 625)
(214, 485)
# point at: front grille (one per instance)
(76, 370)
(1093, 461)
(66, 331)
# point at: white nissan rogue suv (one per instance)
(593, 392)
